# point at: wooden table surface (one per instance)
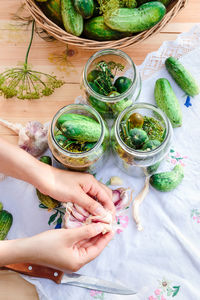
(49, 56)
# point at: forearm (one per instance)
(17, 163)
(14, 251)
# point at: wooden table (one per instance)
(47, 56)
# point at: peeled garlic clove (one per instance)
(71, 222)
(78, 216)
(116, 180)
(116, 196)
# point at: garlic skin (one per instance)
(32, 136)
(116, 180)
(77, 216)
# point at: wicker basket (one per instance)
(67, 38)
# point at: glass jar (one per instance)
(120, 64)
(89, 161)
(139, 162)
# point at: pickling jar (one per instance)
(137, 162)
(111, 105)
(88, 161)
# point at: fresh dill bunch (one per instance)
(104, 80)
(25, 83)
(108, 6)
(128, 3)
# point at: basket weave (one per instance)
(67, 38)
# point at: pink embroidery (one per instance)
(157, 292)
(122, 222)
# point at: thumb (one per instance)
(86, 232)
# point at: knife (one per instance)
(72, 279)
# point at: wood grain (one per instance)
(13, 45)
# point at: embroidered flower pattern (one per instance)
(122, 221)
(97, 295)
(175, 158)
(57, 217)
(164, 291)
(195, 215)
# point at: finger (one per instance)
(85, 232)
(87, 243)
(110, 205)
(93, 188)
(88, 203)
(97, 247)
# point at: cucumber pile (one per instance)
(77, 133)
(104, 20)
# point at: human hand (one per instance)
(64, 249)
(79, 188)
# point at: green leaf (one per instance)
(59, 221)
(176, 290)
(42, 206)
(52, 218)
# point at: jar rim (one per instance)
(100, 53)
(77, 154)
(142, 154)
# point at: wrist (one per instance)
(14, 251)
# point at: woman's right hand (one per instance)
(64, 249)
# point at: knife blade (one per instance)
(71, 279)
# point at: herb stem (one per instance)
(30, 43)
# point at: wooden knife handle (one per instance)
(36, 271)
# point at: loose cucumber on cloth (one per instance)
(6, 221)
(72, 20)
(167, 101)
(136, 19)
(167, 181)
(182, 77)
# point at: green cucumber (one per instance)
(167, 101)
(83, 131)
(61, 139)
(119, 106)
(138, 137)
(84, 7)
(167, 181)
(99, 105)
(93, 75)
(153, 168)
(89, 146)
(1, 206)
(165, 2)
(46, 159)
(122, 84)
(6, 221)
(71, 117)
(135, 19)
(72, 20)
(182, 77)
(96, 29)
(52, 9)
(150, 145)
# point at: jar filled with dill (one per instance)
(141, 138)
(111, 82)
(79, 138)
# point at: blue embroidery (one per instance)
(187, 102)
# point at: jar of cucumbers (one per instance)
(79, 138)
(141, 138)
(111, 82)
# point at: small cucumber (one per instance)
(120, 105)
(167, 101)
(1, 206)
(83, 131)
(138, 137)
(72, 20)
(96, 29)
(93, 75)
(135, 19)
(71, 117)
(153, 168)
(182, 77)
(122, 84)
(150, 145)
(84, 7)
(52, 9)
(167, 181)
(6, 221)
(46, 159)
(61, 139)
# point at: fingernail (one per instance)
(100, 211)
(99, 227)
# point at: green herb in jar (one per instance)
(153, 128)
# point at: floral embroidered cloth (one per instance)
(161, 262)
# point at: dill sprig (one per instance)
(25, 83)
(104, 80)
